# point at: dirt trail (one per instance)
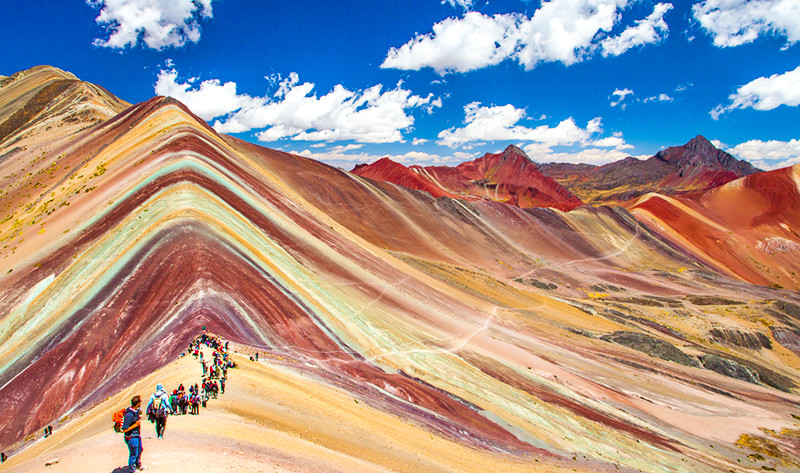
(269, 420)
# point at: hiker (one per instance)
(184, 403)
(130, 428)
(160, 408)
(195, 404)
(222, 385)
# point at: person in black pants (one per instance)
(160, 408)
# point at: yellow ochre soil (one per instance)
(270, 419)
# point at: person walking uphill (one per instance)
(159, 408)
(130, 428)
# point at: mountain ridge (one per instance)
(509, 177)
(692, 168)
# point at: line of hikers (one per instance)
(182, 402)
(218, 367)
(162, 404)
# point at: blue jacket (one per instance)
(164, 401)
(131, 416)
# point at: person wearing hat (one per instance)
(160, 408)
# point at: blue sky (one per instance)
(431, 82)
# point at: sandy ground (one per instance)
(269, 420)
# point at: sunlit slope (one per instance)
(425, 310)
(270, 417)
(747, 228)
(44, 97)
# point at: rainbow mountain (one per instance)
(399, 331)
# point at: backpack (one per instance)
(159, 408)
(118, 417)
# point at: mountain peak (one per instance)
(699, 155)
(700, 143)
(513, 150)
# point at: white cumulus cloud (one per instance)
(770, 154)
(208, 100)
(764, 93)
(566, 31)
(618, 96)
(159, 23)
(499, 123)
(615, 141)
(590, 155)
(459, 44)
(737, 22)
(649, 30)
(372, 115)
(344, 159)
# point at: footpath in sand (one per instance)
(270, 419)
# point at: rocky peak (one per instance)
(699, 154)
(514, 152)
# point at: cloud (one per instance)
(459, 45)
(346, 148)
(465, 4)
(341, 158)
(736, 22)
(764, 93)
(621, 94)
(615, 141)
(566, 31)
(768, 154)
(159, 23)
(659, 98)
(597, 156)
(210, 99)
(367, 116)
(418, 141)
(499, 123)
(652, 29)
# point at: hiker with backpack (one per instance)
(131, 423)
(159, 408)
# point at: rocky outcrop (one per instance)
(787, 338)
(751, 340)
(651, 345)
(729, 368)
(711, 300)
(747, 370)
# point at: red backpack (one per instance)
(118, 417)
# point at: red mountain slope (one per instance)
(509, 177)
(749, 228)
(387, 170)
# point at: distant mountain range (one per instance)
(512, 177)
(694, 167)
(509, 177)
